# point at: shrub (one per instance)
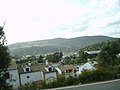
(96, 75)
(71, 80)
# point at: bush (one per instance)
(37, 85)
(62, 81)
(53, 84)
(100, 74)
(71, 80)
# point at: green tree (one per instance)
(4, 60)
(31, 58)
(108, 54)
(40, 59)
(50, 58)
(57, 56)
(83, 56)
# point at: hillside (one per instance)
(53, 45)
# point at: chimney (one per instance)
(29, 63)
(46, 62)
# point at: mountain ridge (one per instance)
(53, 45)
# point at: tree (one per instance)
(40, 59)
(108, 54)
(32, 58)
(57, 56)
(50, 58)
(83, 56)
(4, 60)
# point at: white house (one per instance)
(87, 66)
(30, 73)
(67, 70)
(13, 77)
(36, 72)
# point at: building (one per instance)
(92, 52)
(13, 77)
(67, 70)
(87, 66)
(36, 72)
(30, 73)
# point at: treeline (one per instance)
(108, 50)
(37, 50)
(52, 57)
(98, 46)
(55, 57)
(110, 54)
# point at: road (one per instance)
(107, 85)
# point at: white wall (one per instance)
(59, 71)
(14, 78)
(50, 76)
(86, 66)
(33, 76)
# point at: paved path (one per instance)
(107, 85)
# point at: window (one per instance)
(63, 72)
(27, 70)
(75, 71)
(70, 70)
(50, 69)
(28, 77)
(67, 71)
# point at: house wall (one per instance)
(86, 66)
(50, 76)
(33, 76)
(59, 71)
(14, 78)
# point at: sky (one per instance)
(29, 20)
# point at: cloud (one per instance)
(115, 20)
(99, 15)
(29, 20)
(114, 23)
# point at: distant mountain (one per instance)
(53, 45)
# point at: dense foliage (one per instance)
(40, 59)
(93, 47)
(55, 57)
(97, 75)
(108, 54)
(4, 60)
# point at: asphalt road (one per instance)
(107, 85)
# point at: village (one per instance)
(46, 71)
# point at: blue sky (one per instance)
(28, 20)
